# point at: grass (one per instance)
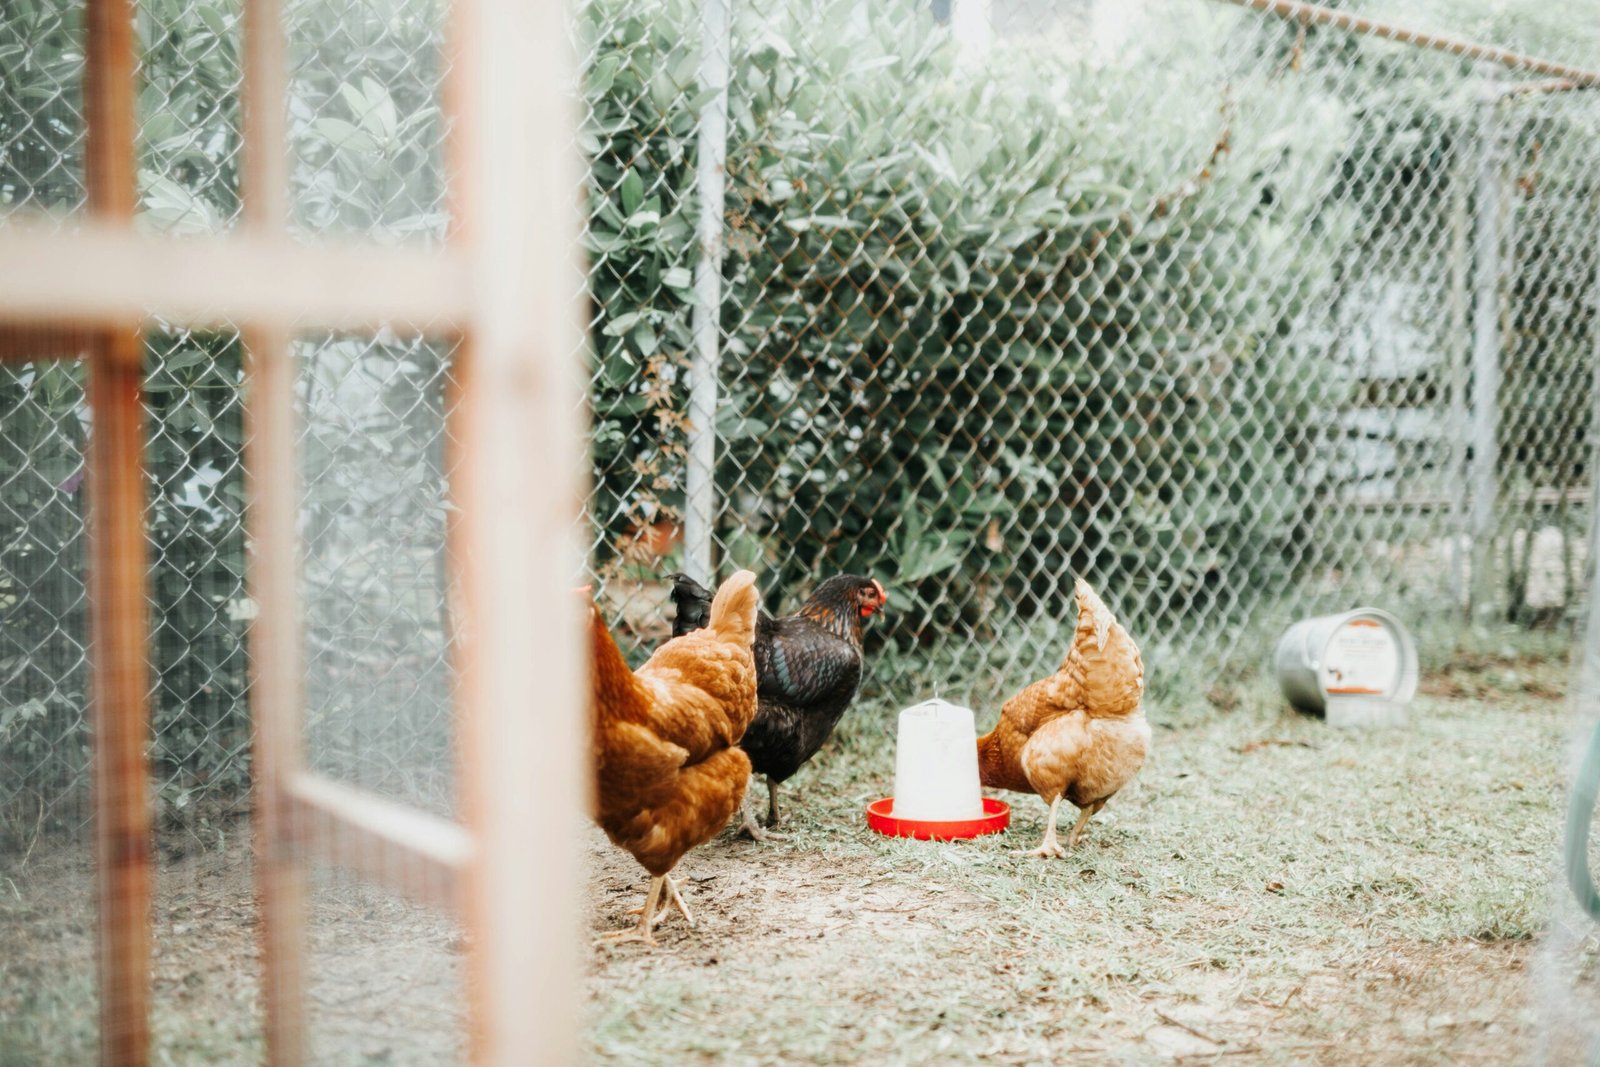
(1268, 888)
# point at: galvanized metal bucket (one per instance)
(1357, 668)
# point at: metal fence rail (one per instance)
(1238, 313)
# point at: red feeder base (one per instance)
(996, 817)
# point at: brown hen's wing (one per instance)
(1050, 759)
(705, 704)
(1000, 751)
(1085, 759)
(633, 758)
(689, 812)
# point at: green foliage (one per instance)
(41, 66)
(641, 110)
(986, 327)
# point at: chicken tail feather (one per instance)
(616, 692)
(733, 610)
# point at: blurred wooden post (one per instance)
(119, 622)
(118, 574)
(700, 492)
(516, 182)
(1486, 354)
(275, 684)
(271, 470)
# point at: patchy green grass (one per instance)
(1268, 888)
(1267, 891)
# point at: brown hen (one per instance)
(1078, 734)
(668, 770)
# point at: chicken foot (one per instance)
(644, 931)
(1050, 848)
(750, 826)
(672, 897)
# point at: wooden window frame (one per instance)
(502, 288)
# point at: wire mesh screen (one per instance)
(367, 137)
(377, 620)
(385, 975)
(48, 993)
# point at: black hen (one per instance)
(693, 603)
(808, 666)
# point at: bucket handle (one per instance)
(1580, 820)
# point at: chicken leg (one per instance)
(672, 897)
(1050, 848)
(772, 803)
(1083, 820)
(750, 826)
(642, 932)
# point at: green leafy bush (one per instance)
(986, 327)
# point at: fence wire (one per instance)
(1240, 317)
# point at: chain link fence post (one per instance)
(1459, 347)
(699, 481)
(1489, 231)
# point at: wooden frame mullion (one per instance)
(120, 625)
(277, 691)
(118, 570)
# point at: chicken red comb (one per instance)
(883, 598)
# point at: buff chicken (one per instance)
(1079, 734)
(668, 770)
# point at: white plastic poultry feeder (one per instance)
(936, 789)
(1357, 668)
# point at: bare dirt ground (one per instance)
(384, 975)
(1269, 891)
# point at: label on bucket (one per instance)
(1362, 659)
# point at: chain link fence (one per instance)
(1239, 316)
